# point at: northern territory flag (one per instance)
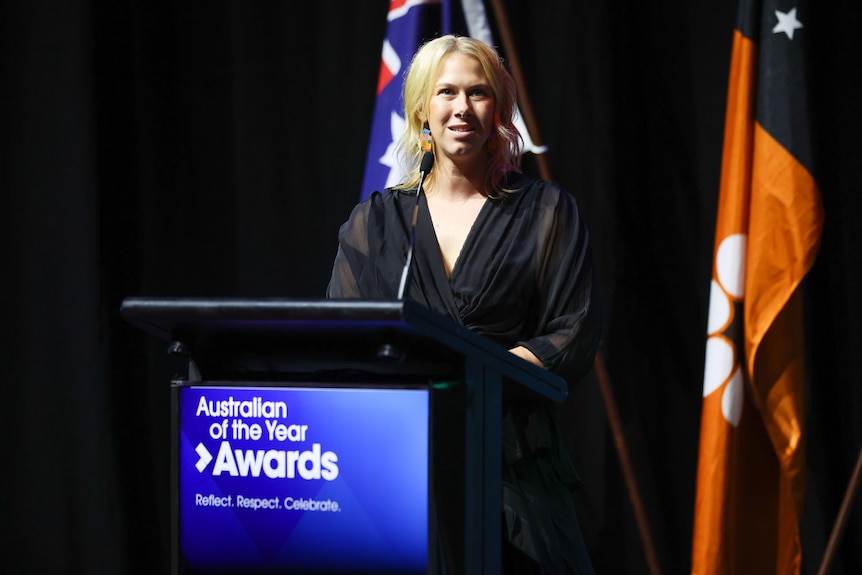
(750, 480)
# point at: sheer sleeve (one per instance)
(371, 248)
(352, 255)
(569, 323)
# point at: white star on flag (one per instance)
(390, 158)
(787, 23)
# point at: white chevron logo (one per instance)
(205, 457)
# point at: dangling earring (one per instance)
(425, 140)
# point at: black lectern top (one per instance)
(298, 330)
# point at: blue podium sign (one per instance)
(303, 480)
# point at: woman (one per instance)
(504, 254)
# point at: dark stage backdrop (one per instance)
(212, 148)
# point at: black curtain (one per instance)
(213, 148)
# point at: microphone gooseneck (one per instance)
(424, 167)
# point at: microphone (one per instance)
(424, 168)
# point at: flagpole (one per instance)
(838, 529)
(599, 366)
(625, 463)
(518, 76)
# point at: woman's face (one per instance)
(461, 109)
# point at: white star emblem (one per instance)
(787, 23)
(389, 158)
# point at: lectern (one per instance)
(334, 436)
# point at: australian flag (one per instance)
(410, 23)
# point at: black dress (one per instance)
(523, 277)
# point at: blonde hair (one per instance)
(505, 143)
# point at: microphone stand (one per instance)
(425, 167)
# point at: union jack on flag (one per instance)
(410, 23)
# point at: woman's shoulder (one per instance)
(381, 201)
(535, 190)
(392, 197)
(375, 214)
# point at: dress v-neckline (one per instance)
(468, 239)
